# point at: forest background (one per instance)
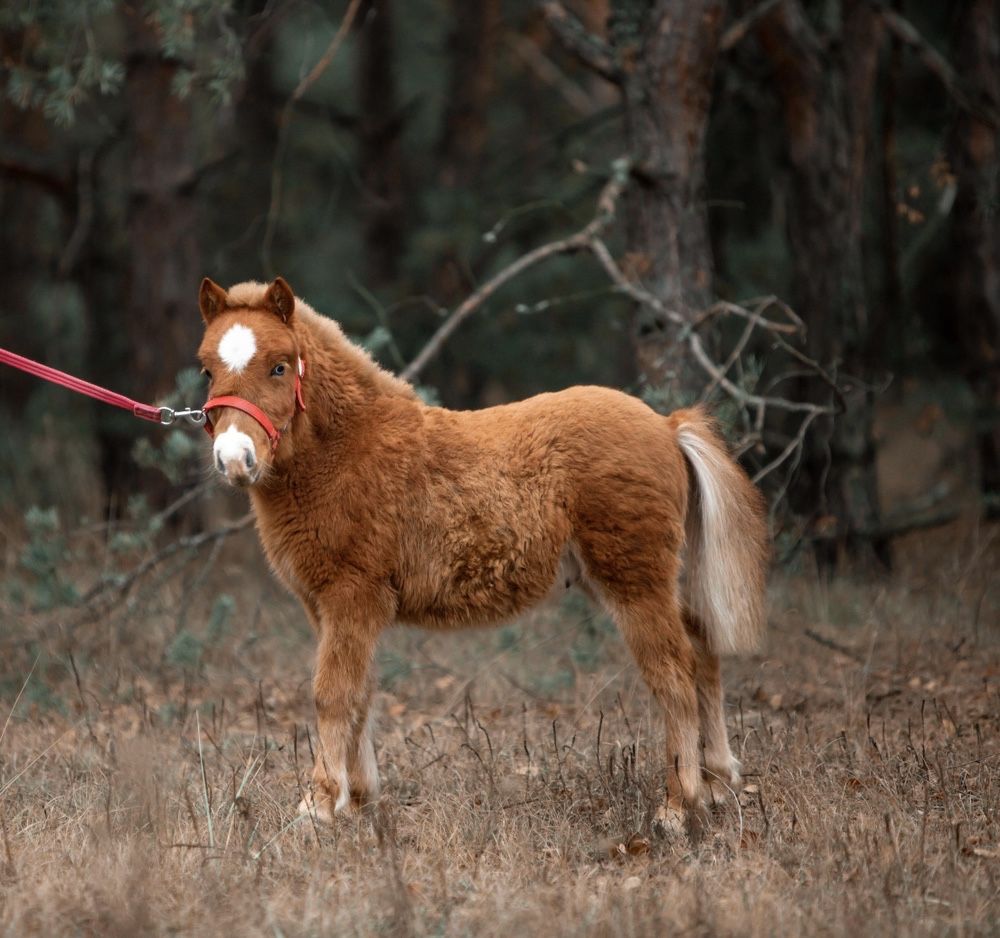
(787, 209)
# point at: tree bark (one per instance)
(380, 125)
(826, 93)
(472, 50)
(667, 51)
(164, 262)
(973, 152)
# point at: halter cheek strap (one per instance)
(252, 410)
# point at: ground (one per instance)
(148, 784)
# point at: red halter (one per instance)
(252, 410)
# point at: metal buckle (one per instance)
(192, 415)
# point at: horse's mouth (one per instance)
(245, 480)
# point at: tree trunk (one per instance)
(826, 96)
(472, 51)
(155, 283)
(380, 124)
(164, 263)
(667, 50)
(973, 150)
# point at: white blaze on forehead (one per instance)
(233, 445)
(237, 347)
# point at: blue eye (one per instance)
(278, 370)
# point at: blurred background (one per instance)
(829, 166)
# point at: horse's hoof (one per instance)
(671, 820)
(722, 783)
(675, 820)
(319, 809)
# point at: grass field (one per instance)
(148, 783)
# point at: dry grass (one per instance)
(521, 776)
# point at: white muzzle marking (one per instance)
(235, 456)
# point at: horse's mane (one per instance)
(327, 334)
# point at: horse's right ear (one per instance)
(211, 300)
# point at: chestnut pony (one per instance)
(374, 507)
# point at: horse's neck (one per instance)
(341, 379)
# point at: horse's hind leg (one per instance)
(722, 769)
(655, 633)
(362, 767)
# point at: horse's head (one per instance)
(251, 358)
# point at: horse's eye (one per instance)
(278, 370)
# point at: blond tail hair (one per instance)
(727, 539)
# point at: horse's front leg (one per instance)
(349, 624)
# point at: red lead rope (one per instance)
(163, 415)
(145, 411)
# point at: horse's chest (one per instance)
(309, 537)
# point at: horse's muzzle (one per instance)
(236, 457)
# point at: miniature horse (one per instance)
(373, 507)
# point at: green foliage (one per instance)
(63, 62)
(37, 689)
(75, 51)
(198, 34)
(42, 581)
(174, 457)
(179, 450)
(393, 668)
(187, 650)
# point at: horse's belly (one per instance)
(483, 592)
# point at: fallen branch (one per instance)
(113, 589)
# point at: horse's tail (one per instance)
(727, 540)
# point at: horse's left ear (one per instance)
(280, 300)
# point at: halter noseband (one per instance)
(252, 410)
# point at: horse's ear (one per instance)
(280, 300)
(211, 300)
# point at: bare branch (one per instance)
(84, 214)
(113, 589)
(579, 42)
(736, 32)
(935, 63)
(284, 123)
(547, 71)
(754, 407)
(576, 242)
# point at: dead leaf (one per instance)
(984, 853)
(637, 846)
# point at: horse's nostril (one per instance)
(219, 463)
(248, 459)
